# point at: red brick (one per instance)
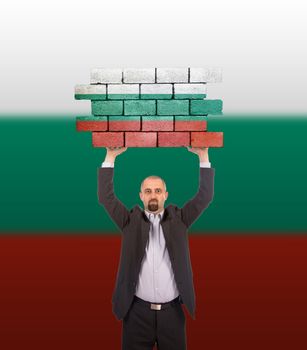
(173, 139)
(91, 125)
(108, 139)
(140, 139)
(124, 125)
(206, 139)
(157, 124)
(192, 125)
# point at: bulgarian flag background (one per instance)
(59, 250)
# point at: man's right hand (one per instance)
(113, 152)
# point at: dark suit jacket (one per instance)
(135, 225)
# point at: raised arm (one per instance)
(195, 206)
(106, 196)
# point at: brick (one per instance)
(123, 91)
(91, 123)
(172, 107)
(173, 139)
(187, 123)
(106, 75)
(199, 107)
(140, 139)
(108, 139)
(123, 123)
(156, 91)
(206, 139)
(172, 75)
(139, 75)
(154, 123)
(189, 91)
(205, 75)
(107, 107)
(138, 107)
(90, 92)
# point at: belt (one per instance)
(156, 306)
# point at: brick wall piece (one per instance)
(173, 139)
(172, 75)
(123, 91)
(200, 107)
(156, 91)
(107, 107)
(190, 91)
(140, 107)
(172, 107)
(154, 123)
(207, 139)
(123, 123)
(106, 75)
(139, 75)
(188, 123)
(91, 123)
(206, 75)
(108, 139)
(140, 139)
(90, 92)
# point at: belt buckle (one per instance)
(155, 306)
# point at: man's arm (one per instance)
(195, 206)
(106, 196)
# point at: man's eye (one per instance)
(158, 191)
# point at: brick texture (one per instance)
(141, 139)
(150, 107)
(173, 139)
(108, 139)
(207, 139)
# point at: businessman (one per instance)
(155, 276)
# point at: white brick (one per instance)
(172, 75)
(84, 89)
(123, 89)
(156, 89)
(206, 75)
(190, 88)
(106, 75)
(139, 75)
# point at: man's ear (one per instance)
(141, 195)
(166, 195)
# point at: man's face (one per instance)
(153, 195)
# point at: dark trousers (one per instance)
(142, 327)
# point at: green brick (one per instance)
(158, 118)
(173, 107)
(138, 107)
(94, 97)
(206, 107)
(92, 118)
(107, 107)
(156, 96)
(123, 118)
(123, 96)
(189, 96)
(186, 118)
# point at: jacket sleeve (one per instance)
(195, 206)
(106, 197)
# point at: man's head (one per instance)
(153, 193)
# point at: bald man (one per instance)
(154, 277)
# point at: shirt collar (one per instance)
(148, 213)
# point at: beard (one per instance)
(153, 205)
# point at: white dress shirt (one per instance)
(156, 281)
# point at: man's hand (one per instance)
(113, 152)
(202, 152)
